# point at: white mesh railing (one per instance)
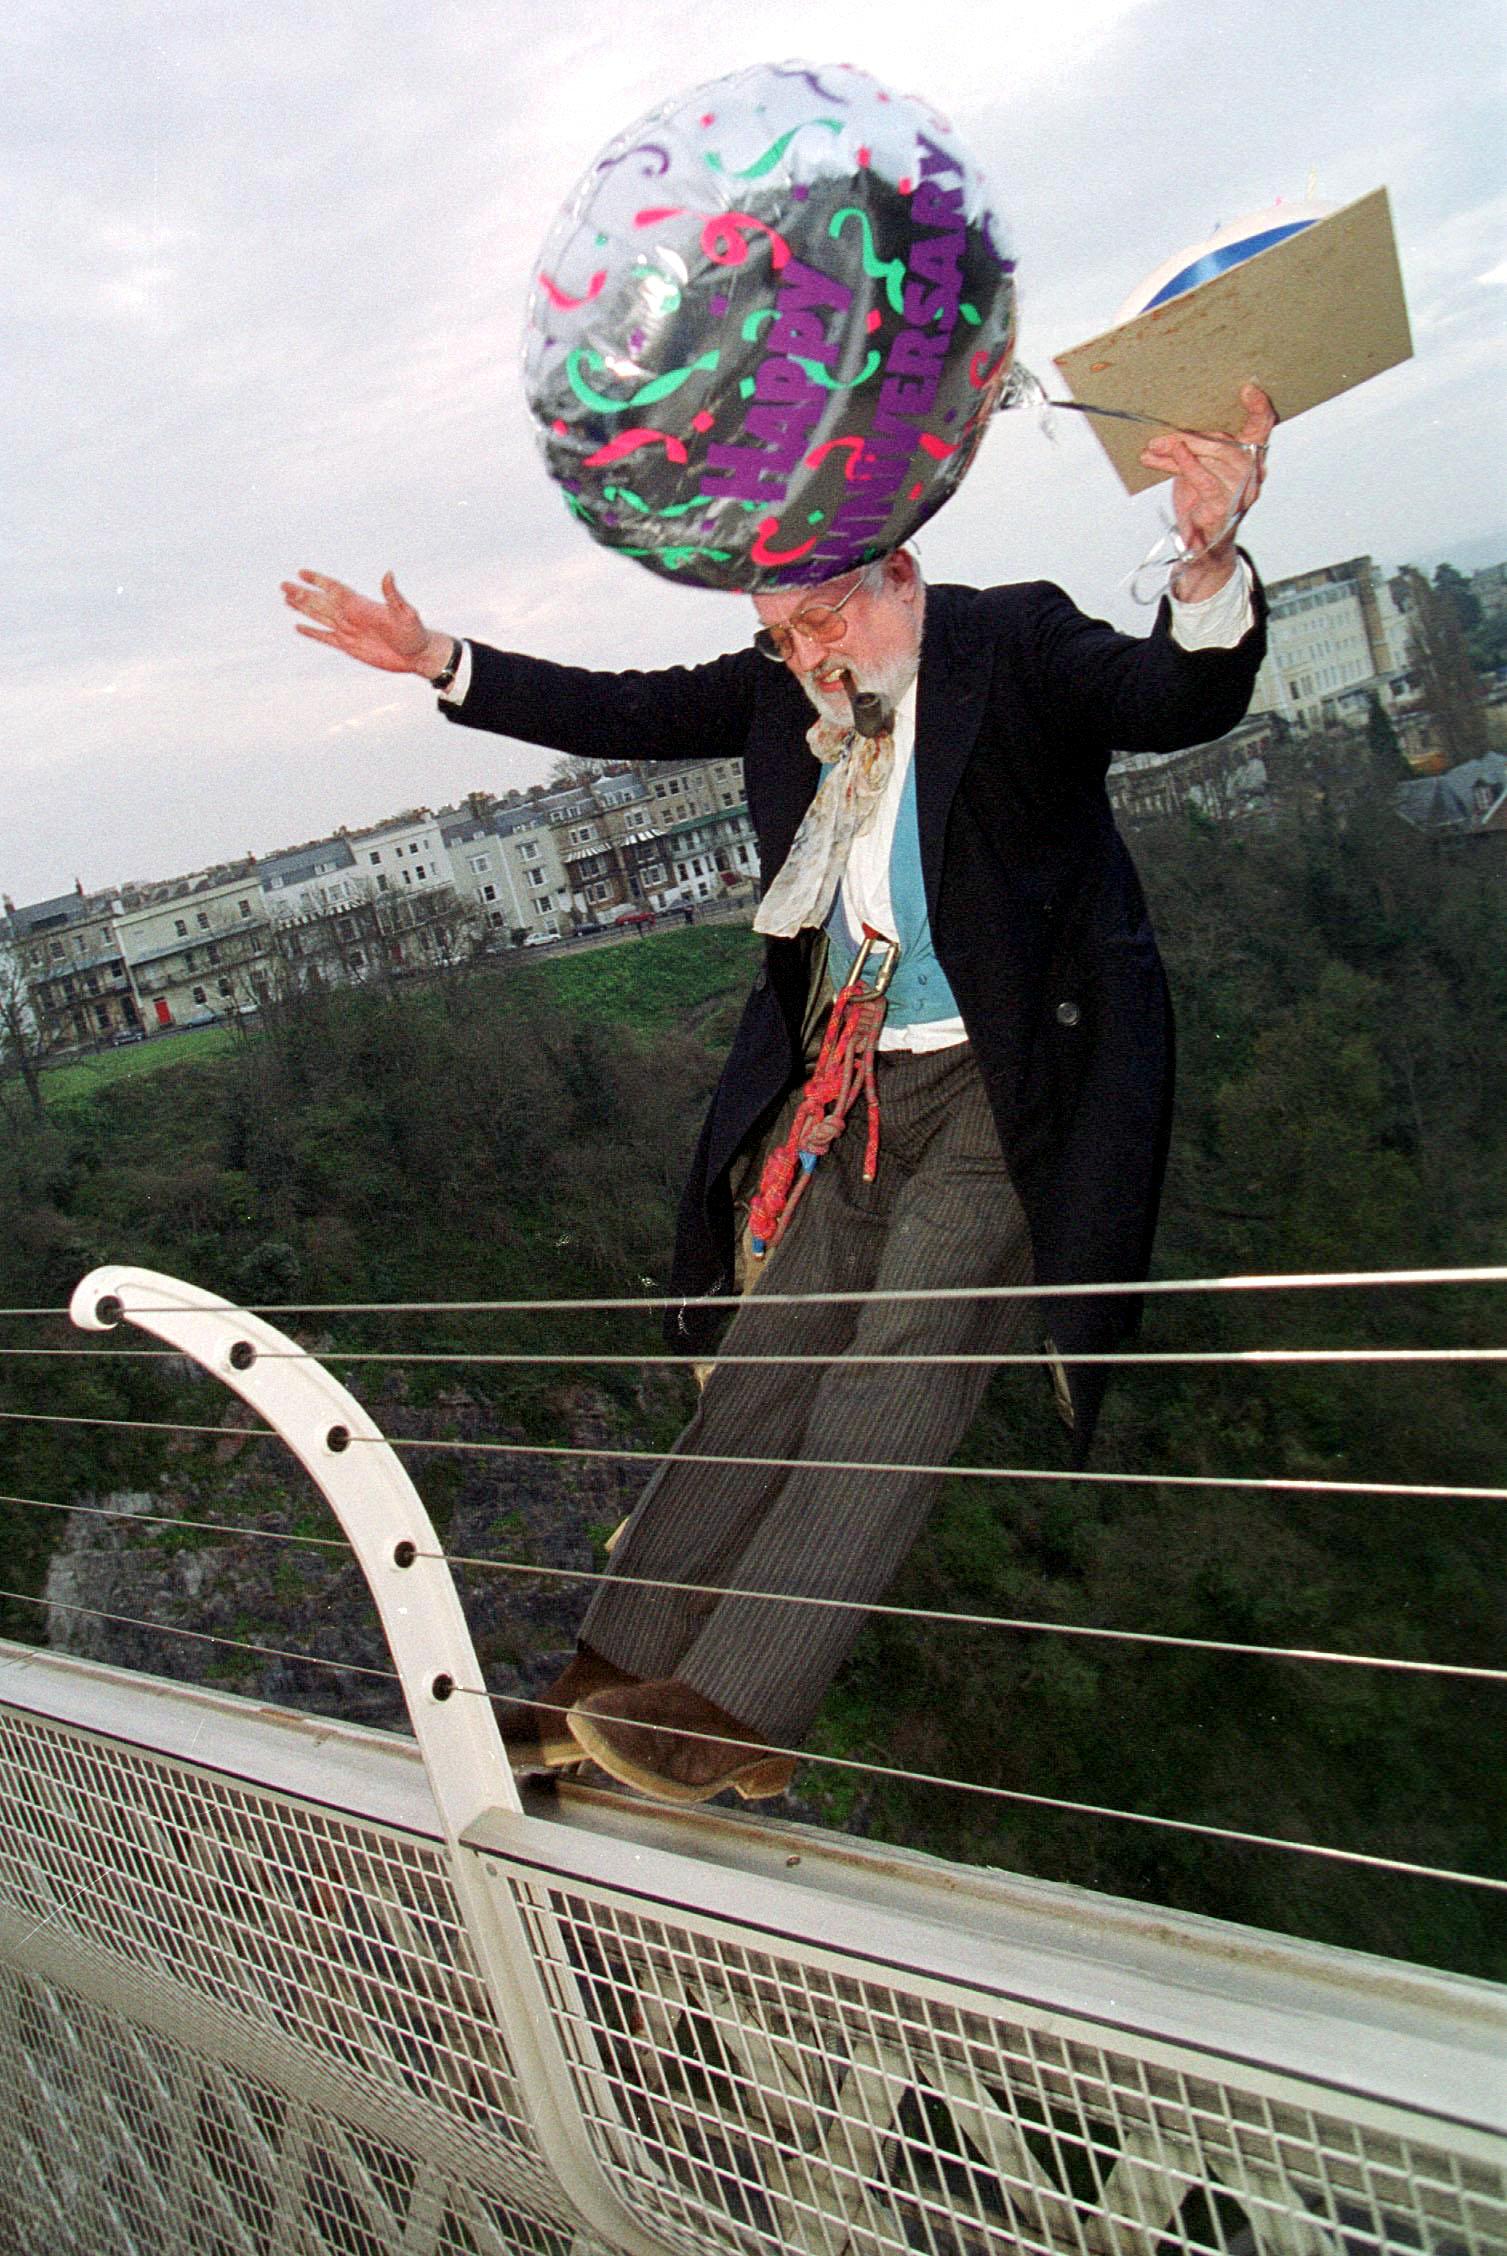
(819, 2108)
(233, 2019)
(117, 2138)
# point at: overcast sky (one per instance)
(266, 274)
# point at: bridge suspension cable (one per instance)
(202, 1636)
(1279, 1484)
(956, 1617)
(1364, 1280)
(1236, 1357)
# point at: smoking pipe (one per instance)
(871, 716)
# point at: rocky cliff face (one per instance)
(190, 1602)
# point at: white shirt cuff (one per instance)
(460, 688)
(1219, 622)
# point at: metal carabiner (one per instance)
(871, 940)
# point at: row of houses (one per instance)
(423, 888)
(1338, 641)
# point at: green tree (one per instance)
(1381, 738)
(1440, 657)
(22, 1042)
(1455, 589)
(1488, 643)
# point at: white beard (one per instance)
(889, 683)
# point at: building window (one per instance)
(489, 892)
(200, 996)
(178, 926)
(202, 920)
(419, 870)
(495, 916)
(382, 885)
(536, 877)
(529, 852)
(245, 908)
(225, 987)
(481, 861)
(374, 857)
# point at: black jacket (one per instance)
(1037, 915)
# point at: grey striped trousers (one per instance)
(942, 1212)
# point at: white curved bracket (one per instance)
(344, 1451)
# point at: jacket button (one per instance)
(1068, 1014)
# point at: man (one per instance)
(1023, 1077)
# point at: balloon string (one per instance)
(1169, 552)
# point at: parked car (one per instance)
(125, 1034)
(541, 939)
(636, 920)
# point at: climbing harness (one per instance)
(844, 1065)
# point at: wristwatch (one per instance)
(450, 668)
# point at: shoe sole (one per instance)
(757, 1780)
(562, 1753)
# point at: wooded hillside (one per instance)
(521, 1132)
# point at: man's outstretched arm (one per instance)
(673, 713)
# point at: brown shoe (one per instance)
(535, 1733)
(669, 1741)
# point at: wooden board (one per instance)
(1308, 319)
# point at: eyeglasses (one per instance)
(823, 622)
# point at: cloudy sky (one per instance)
(266, 269)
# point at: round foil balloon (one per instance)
(768, 331)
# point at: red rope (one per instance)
(844, 1066)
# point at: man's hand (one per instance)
(1215, 480)
(389, 634)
